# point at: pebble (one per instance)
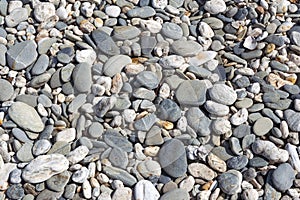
(105, 43)
(118, 158)
(26, 117)
(292, 118)
(58, 182)
(215, 6)
(120, 174)
(19, 59)
(230, 182)
(7, 90)
(171, 30)
(144, 189)
(216, 108)
(175, 163)
(199, 170)
(239, 117)
(113, 11)
(176, 194)
(43, 11)
(168, 110)
(15, 191)
(41, 147)
(80, 175)
(237, 162)
(283, 177)
(17, 16)
(77, 154)
(41, 65)
(191, 93)
(118, 62)
(202, 57)
(186, 48)
(270, 151)
(82, 82)
(125, 32)
(222, 94)
(44, 167)
(262, 126)
(144, 12)
(147, 79)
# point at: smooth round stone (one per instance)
(262, 126)
(241, 131)
(41, 65)
(113, 11)
(95, 130)
(80, 175)
(186, 48)
(181, 194)
(202, 58)
(149, 168)
(198, 121)
(70, 191)
(292, 118)
(144, 12)
(214, 22)
(18, 59)
(199, 170)
(115, 139)
(216, 108)
(26, 117)
(41, 147)
(15, 191)
(216, 163)
(292, 89)
(205, 30)
(58, 182)
(87, 55)
(43, 11)
(245, 103)
(238, 162)
(172, 30)
(66, 135)
(105, 43)
(221, 126)
(230, 182)
(191, 93)
(168, 110)
(6, 91)
(118, 158)
(240, 117)
(258, 162)
(115, 64)
(82, 77)
(77, 154)
(215, 6)
(223, 94)
(283, 177)
(147, 79)
(145, 190)
(43, 167)
(174, 163)
(154, 136)
(125, 32)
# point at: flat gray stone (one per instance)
(115, 139)
(179, 193)
(6, 91)
(146, 79)
(24, 154)
(41, 65)
(21, 55)
(283, 177)
(174, 163)
(168, 110)
(191, 93)
(143, 12)
(105, 43)
(198, 121)
(145, 123)
(125, 32)
(82, 77)
(26, 117)
(230, 182)
(118, 158)
(58, 182)
(44, 167)
(120, 174)
(186, 48)
(16, 16)
(3, 50)
(115, 64)
(292, 118)
(262, 126)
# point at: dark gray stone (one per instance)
(115, 139)
(283, 177)
(168, 110)
(82, 77)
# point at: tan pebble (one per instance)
(270, 47)
(207, 185)
(117, 84)
(86, 26)
(151, 151)
(166, 124)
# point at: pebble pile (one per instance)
(149, 99)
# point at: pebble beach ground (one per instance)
(149, 99)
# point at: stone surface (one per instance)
(43, 11)
(173, 163)
(199, 170)
(120, 174)
(21, 55)
(176, 194)
(230, 182)
(82, 77)
(6, 91)
(115, 64)
(144, 189)
(44, 167)
(186, 48)
(283, 177)
(223, 94)
(262, 126)
(26, 117)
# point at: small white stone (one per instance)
(294, 156)
(202, 58)
(87, 55)
(13, 5)
(250, 194)
(221, 126)
(159, 3)
(43, 11)
(67, 135)
(145, 190)
(77, 154)
(122, 194)
(188, 183)
(62, 13)
(250, 43)
(240, 117)
(205, 30)
(113, 11)
(151, 25)
(87, 189)
(215, 6)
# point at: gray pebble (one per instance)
(147, 79)
(118, 158)
(41, 147)
(179, 193)
(198, 121)
(230, 182)
(172, 30)
(125, 32)
(168, 110)
(16, 16)
(15, 191)
(186, 48)
(6, 91)
(41, 65)
(82, 77)
(145, 123)
(237, 162)
(283, 177)
(223, 94)
(105, 43)
(58, 182)
(143, 12)
(115, 139)
(120, 174)
(115, 64)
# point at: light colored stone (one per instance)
(215, 6)
(199, 170)
(43, 11)
(145, 190)
(67, 135)
(44, 167)
(205, 30)
(77, 154)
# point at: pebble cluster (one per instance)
(149, 99)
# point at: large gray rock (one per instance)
(26, 117)
(21, 55)
(283, 177)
